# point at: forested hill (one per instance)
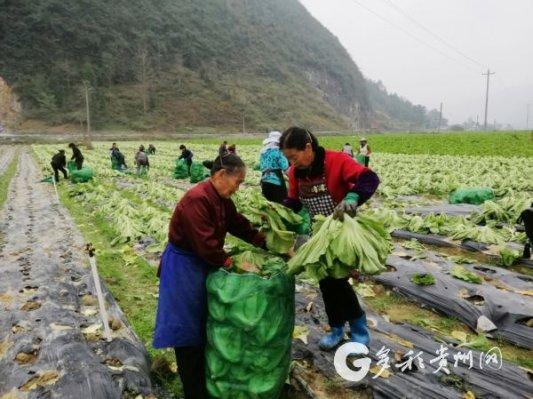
(172, 64)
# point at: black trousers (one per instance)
(191, 368)
(79, 163)
(340, 301)
(273, 192)
(57, 169)
(367, 159)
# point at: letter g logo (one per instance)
(363, 364)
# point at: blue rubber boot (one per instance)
(331, 340)
(359, 330)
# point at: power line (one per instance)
(411, 35)
(440, 39)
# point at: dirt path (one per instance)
(50, 330)
(6, 154)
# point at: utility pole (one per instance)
(87, 108)
(487, 96)
(144, 66)
(440, 118)
(477, 122)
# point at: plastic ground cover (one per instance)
(504, 297)
(441, 241)
(508, 382)
(447, 209)
(51, 343)
(249, 329)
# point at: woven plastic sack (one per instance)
(360, 158)
(249, 332)
(81, 176)
(181, 171)
(71, 166)
(475, 196)
(198, 172)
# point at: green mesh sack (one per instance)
(181, 171)
(360, 158)
(475, 196)
(249, 334)
(71, 166)
(81, 176)
(198, 172)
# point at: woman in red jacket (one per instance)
(329, 182)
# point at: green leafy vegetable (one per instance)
(461, 273)
(423, 279)
(509, 256)
(273, 219)
(359, 243)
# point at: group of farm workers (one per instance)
(142, 162)
(59, 161)
(325, 182)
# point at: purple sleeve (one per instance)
(367, 185)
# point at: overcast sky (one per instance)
(496, 33)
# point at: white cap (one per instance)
(362, 139)
(273, 137)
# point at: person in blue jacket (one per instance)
(273, 163)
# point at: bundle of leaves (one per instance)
(338, 247)
(506, 210)
(509, 256)
(273, 219)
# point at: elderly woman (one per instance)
(196, 238)
(329, 182)
(273, 163)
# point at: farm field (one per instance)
(471, 254)
(507, 144)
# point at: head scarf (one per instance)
(272, 141)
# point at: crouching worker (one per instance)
(196, 238)
(329, 182)
(118, 162)
(59, 161)
(142, 162)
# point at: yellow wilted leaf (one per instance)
(401, 341)
(469, 395)
(365, 290)
(301, 333)
(377, 369)
(460, 335)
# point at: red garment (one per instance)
(201, 221)
(342, 175)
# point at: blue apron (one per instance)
(182, 305)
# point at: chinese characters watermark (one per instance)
(361, 366)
